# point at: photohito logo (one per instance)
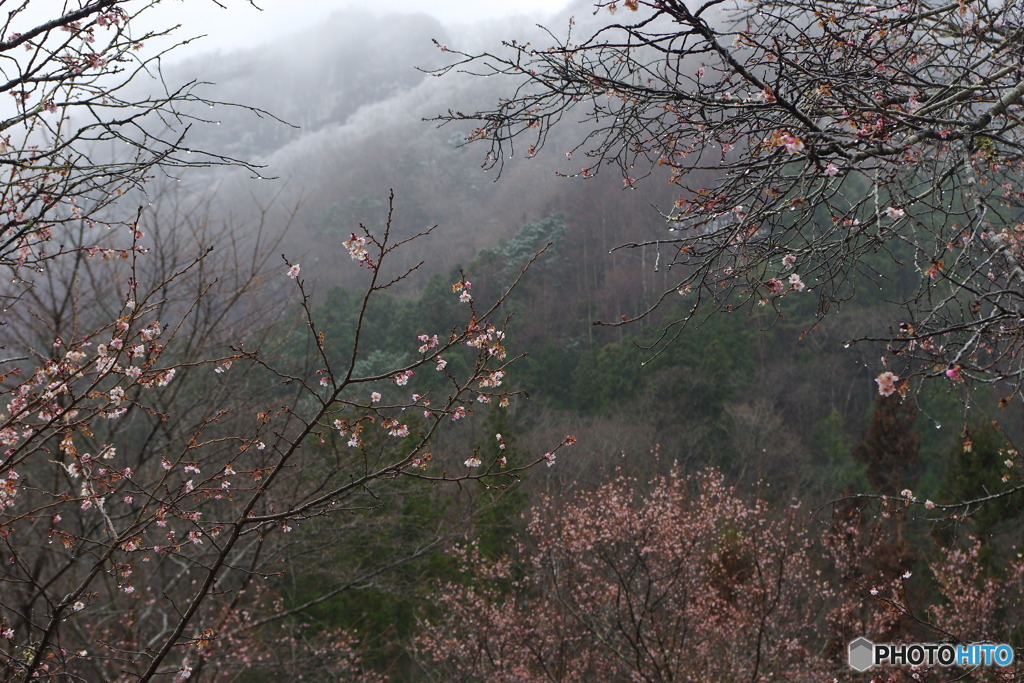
(864, 654)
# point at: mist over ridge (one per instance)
(356, 92)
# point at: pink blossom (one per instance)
(428, 342)
(953, 373)
(151, 332)
(887, 383)
(293, 272)
(357, 248)
(462, 287)
(895, 213)
(793, 145)
(831, 170)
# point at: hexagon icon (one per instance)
(862, 653)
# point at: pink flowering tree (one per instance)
(158, 443)
(811, 143)
(958, 598)
(689, 580)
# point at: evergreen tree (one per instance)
(974, 471)
(892, 446)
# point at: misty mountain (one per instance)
(357, 102)
(316, 78)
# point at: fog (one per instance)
(238, 25)
(345, 122)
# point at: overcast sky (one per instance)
(242, 26)
(239, 25)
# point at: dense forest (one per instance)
(494, 352)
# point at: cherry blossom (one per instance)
(462, 288)
(887, 383)
(793, 145)
(356, 247)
